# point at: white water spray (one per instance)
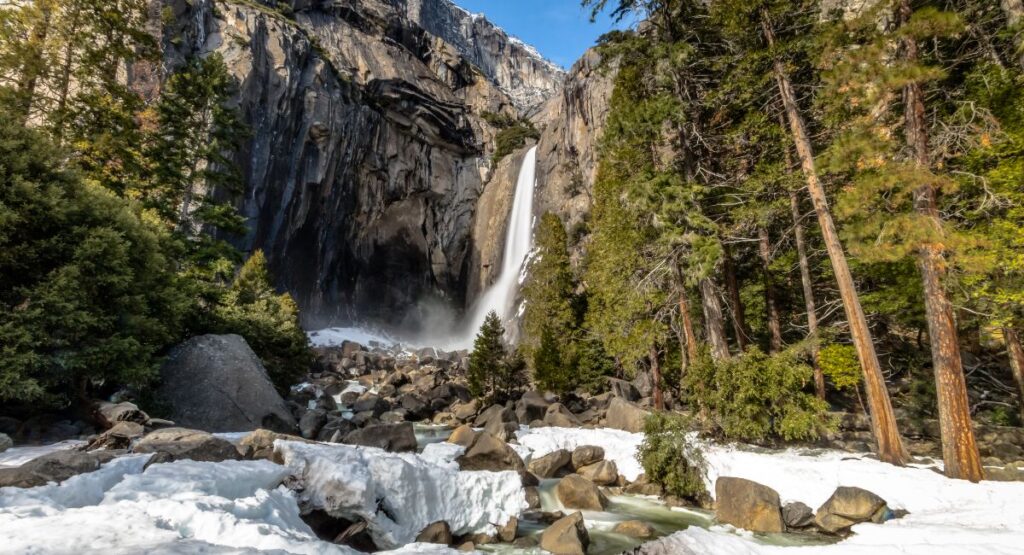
(501, 296)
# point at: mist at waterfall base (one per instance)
(441, 326)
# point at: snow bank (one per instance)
(946, 516)
(334, 337)
(620, 447)
(400, 494)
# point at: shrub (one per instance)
(513, 138)
(758, 397)
(669, 460)
(840, 364)
(268, 321)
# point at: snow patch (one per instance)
(399, 494)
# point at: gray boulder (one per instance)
(797, 515)
(5, 442)
(748, 505)
(560, 417)
(849, 506)
(311, 423)
(54, 467)
(623, 415)
(623, 390)
(586, 455)
(217, 383)
(487, 452)
(532, 406)
(182, 443)
(396, 438)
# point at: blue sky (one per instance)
(560, 29)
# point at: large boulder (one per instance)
(463, 435)
(397, 438)
(624, 415)
(311, 423)
(558, 416)
(576, 492)
(567, 536)
(217, 383)
(748, 505)
(549, 465)
(495, 413)
(54, 467)
(623, 390)
(797, 515)
(849, 506)
(487, 452)
(587, 454)
(531, 406)
(5, 442)
(182, 443)
(603, 473)
(120, 436)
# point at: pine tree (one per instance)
(488, 355)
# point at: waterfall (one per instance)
(501, 295)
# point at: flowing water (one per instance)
(501, 296)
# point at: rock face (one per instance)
(218, 384)
(748, 505)
(849, 506)
(368, 152)
(567, 536)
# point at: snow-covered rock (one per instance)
(399, 494)
(619, 447)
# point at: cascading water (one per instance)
(500, 297)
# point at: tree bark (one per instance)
(805, 281)
(739, 319)
(771, 306)
(883, 420)
(713, 319)
(959, 449)
(1016, 353)
(659, 399)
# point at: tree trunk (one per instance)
(1016, 353)
(959, 449)
(883, 420)
(739, 319)
(32, 67)
(659, 399)
(713, 319)
(771, 306)
(805, 280)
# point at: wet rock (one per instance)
(509, 531)
(490, 453)
(576, 492)
(531, 406)
(567, 536)
(532, 497)
(120, 436)
(748, 505)
(623, 390)
(558, 416)
(393, 417)
(797, 515)
(439, 532)
(603, 473)
(311, 423)
(463, 435)
(182, 443)
(849, 506)
(335, 430)
(525, 542)
(643, 487)
(549, 465)
(635, 529)
(54, 467)
(623, 415)
(5, 442)
(587, 455)
(217, 383)
(396, 438)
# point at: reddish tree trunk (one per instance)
(1016, 353)
(883, 420)
(659, 400)
(959, 449)
(771, 306)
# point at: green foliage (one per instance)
(514, 137)
(669, 460)
(495, 371)
(839, 363)
(758, 397)
(86, 293)
(268, 321)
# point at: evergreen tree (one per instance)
(488, 354)
(550, 372)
